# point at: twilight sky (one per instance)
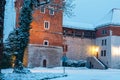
(92, 11)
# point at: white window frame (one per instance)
(51, 8)
(41, 10)
(45, 25)
(44, 43)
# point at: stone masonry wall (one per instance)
(36, 55)
(79, 48)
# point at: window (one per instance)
(102, 53)
(104, 32)
(104, 42)
(65, 48)
(46, 25)
(46, 43)
(42, 9)
(51, 11)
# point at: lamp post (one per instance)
(64, 59)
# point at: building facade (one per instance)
(50, 39)
(45, 45)
(108, 40)
(80, 43)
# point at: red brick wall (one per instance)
(37, 33)
(18, 5)
(99, 32)
(115, 31)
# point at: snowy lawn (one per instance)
(57, 74)
(36, 74)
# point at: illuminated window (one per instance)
(46, 25)
(46, 43)
(42, 9)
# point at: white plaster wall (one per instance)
(79, 48)
(115, 41)
(105, 59)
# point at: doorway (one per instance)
(44, 63)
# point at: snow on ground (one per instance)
(57, 74)
(36, 74)
(91, 74)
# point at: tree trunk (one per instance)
(2, 9)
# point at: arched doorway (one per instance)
(44, 63)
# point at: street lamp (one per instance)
(64, 59)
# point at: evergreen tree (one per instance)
(22, 32)
(19, 38)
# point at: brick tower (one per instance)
(45, 46)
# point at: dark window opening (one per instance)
(42, 9)
(101, 53)
(51, 12)
(46, 25)
(44, 63)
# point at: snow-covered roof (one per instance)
(78, 25)
(113, 17)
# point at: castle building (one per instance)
(108, 40)
(50, 39)
(80, 42)
(45, 45)
(100, 46)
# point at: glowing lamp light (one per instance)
(94, 50)
(97, 49)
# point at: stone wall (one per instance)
(79, 48)
(37, 54)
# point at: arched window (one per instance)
(46, 43)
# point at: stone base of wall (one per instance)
(44, 56)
